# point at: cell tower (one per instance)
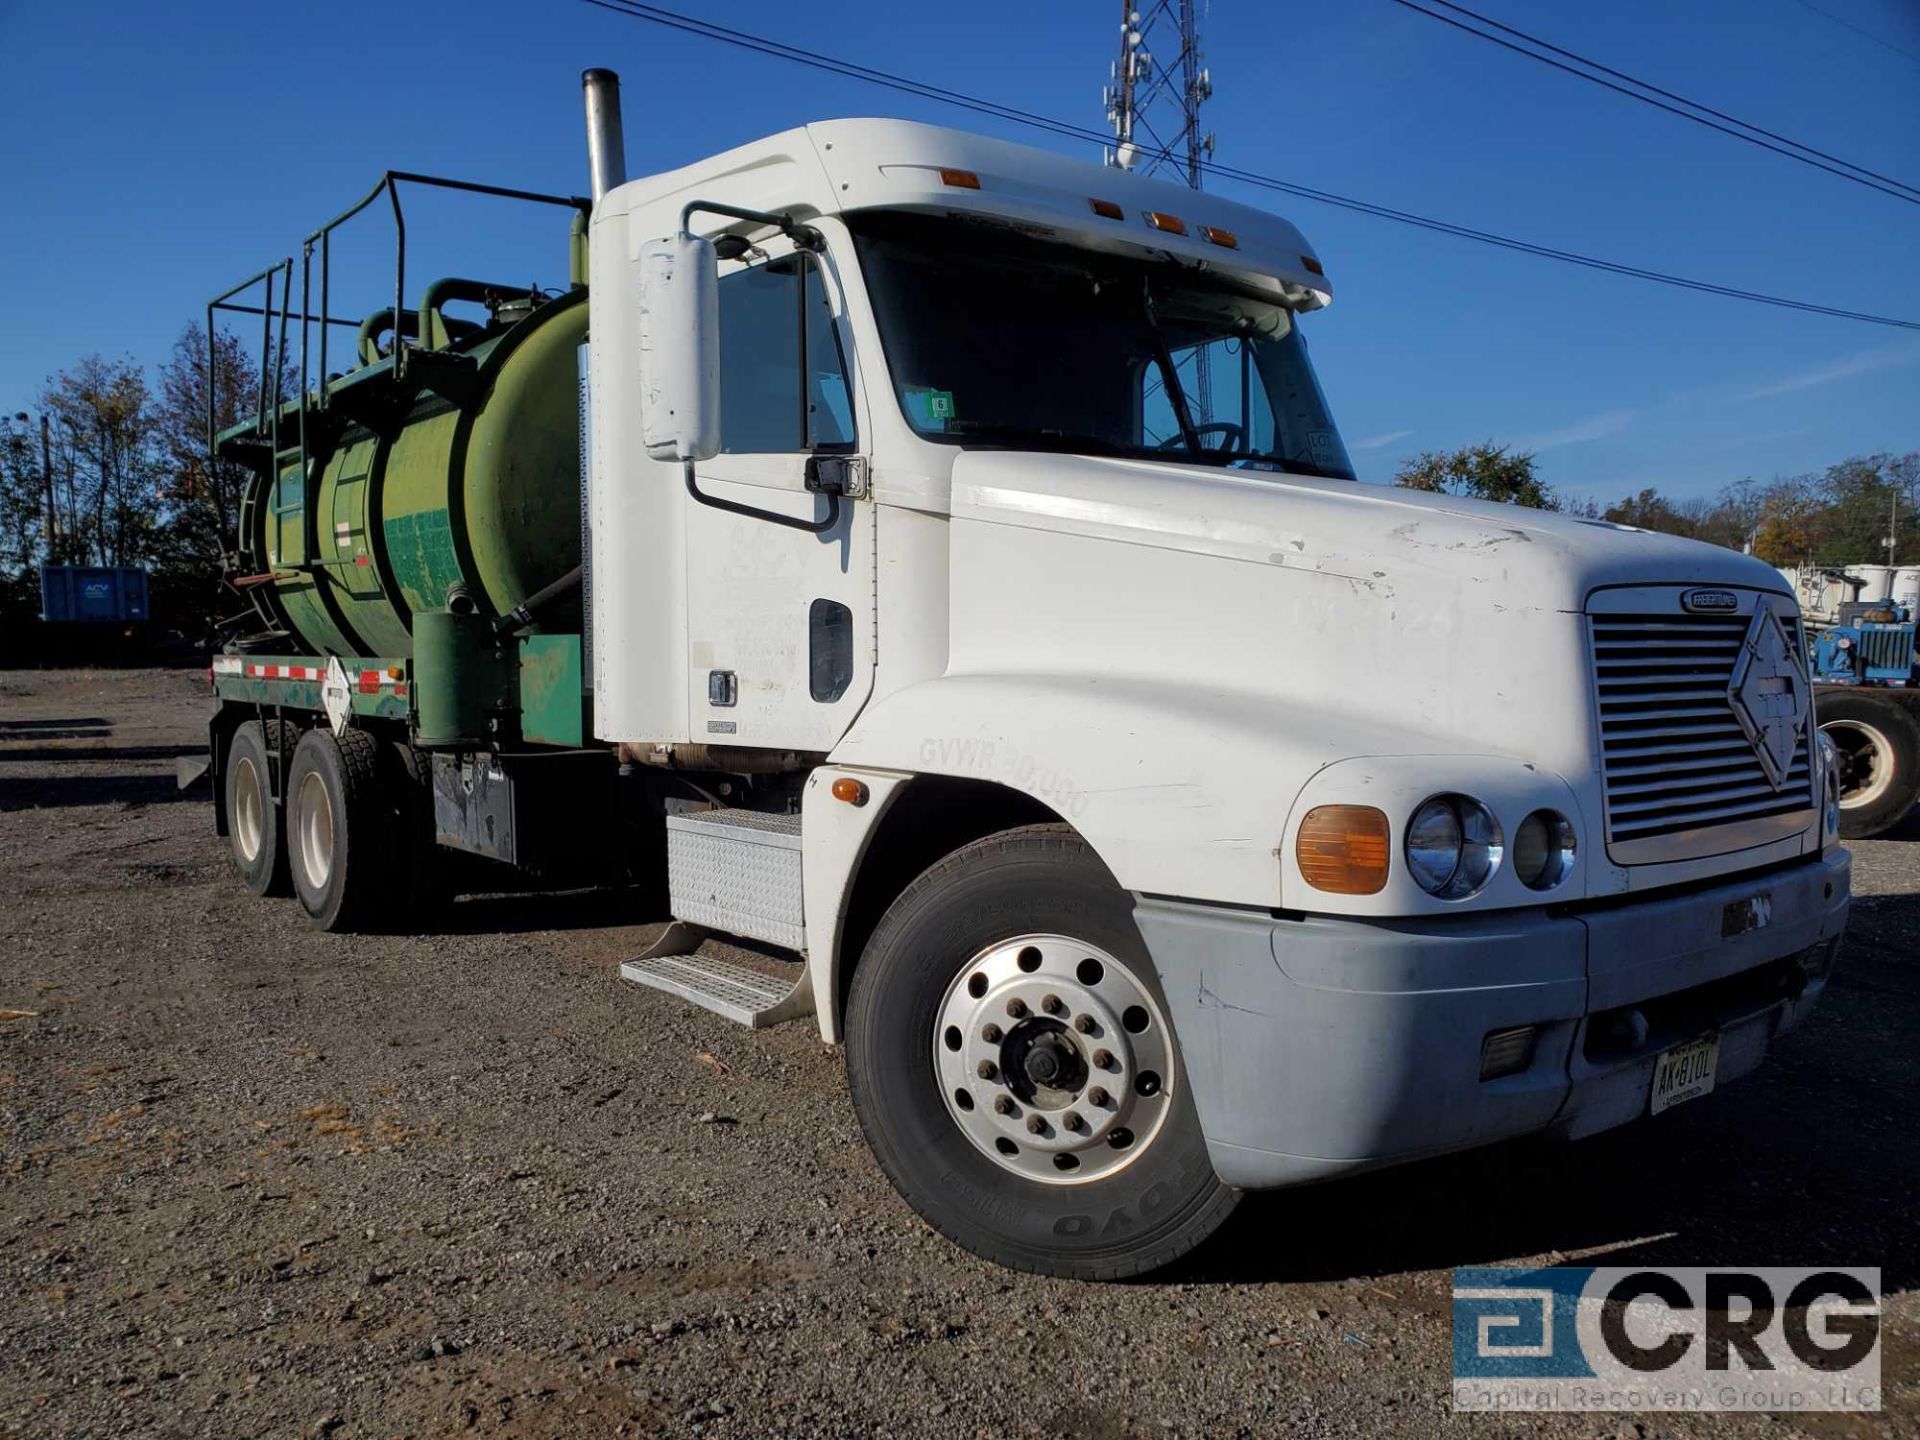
(1153, 103)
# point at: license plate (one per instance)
(1742, 916)
(1685, 1072)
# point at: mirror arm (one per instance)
(792, 522)
(805, 237)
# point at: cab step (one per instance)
(735, 872)
(734, 991)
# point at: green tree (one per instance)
(1863, 500)
(1481, 472)
(103, 427)
(1650, 510)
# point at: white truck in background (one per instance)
(974, 568)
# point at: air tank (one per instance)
(446, 477)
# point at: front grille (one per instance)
(1675, 757)
(1886, 647)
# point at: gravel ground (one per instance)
(256, 1180)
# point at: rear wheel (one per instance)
(1014, 1069)
(254, 831)
(1878, 745)
(341, 830)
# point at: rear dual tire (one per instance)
(343, 830)
(255, 835)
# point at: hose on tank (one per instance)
(528, 610)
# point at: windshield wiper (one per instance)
(1169, 377)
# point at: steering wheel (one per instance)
(1233, 438)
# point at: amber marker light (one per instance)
(960, 179)
(1313, 265)
(1172, 224)
(852, 791)
(1343, 849)
(1225, 239)
(1107, 210)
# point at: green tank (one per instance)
(445, 476)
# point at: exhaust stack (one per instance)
(606, 141)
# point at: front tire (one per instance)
(341, 830)
(1014, 1071)
(1878, 741)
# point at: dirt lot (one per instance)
(256, 1180)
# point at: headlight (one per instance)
(1830, 788)
(1543, 849)
(1453, 846)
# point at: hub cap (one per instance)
(314, 826)
(1053, 1058)
(249, 809)
(1866, 761)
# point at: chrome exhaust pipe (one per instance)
(606, 141)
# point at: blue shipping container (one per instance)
(93, 594)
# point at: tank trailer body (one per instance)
(936, 559)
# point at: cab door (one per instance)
(780, 620)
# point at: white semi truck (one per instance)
(977, 605)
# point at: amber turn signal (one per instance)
(850, 790)
(1343, 849)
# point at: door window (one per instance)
(783, 381)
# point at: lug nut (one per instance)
(988, 1070)
(1054, 1005)
(1073, 1121)
(1084, 1024)
(1103, 1059)
(991, 1034)
(1016, 1007)
(1003, 1105)
(1097, 1096)
(1036, 1126)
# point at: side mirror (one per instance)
(680, 348)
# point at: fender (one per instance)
(1178, 791)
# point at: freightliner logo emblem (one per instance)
(1768, 694)
(1720, 602)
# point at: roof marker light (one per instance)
(1172, 224)
(959, 179)
(1313, 265)
(1107, 209)
(1225, 239)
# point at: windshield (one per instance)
(997, 340)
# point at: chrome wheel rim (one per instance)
(1054, 1059)
(249, 810)
(1866, 761)
(315, 829)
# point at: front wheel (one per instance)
(1878, 745)
(1015, 1072)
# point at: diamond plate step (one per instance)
(743, 995)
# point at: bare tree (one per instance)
(104, 430)
(203, 495)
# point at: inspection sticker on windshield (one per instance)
(940, 404)
(1685, 1073)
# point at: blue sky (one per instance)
(155, 153)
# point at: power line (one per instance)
(1865, 34)
(1686, 109)
(708, 30)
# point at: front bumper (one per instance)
(1319, 1046)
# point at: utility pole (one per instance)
(46, 477)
